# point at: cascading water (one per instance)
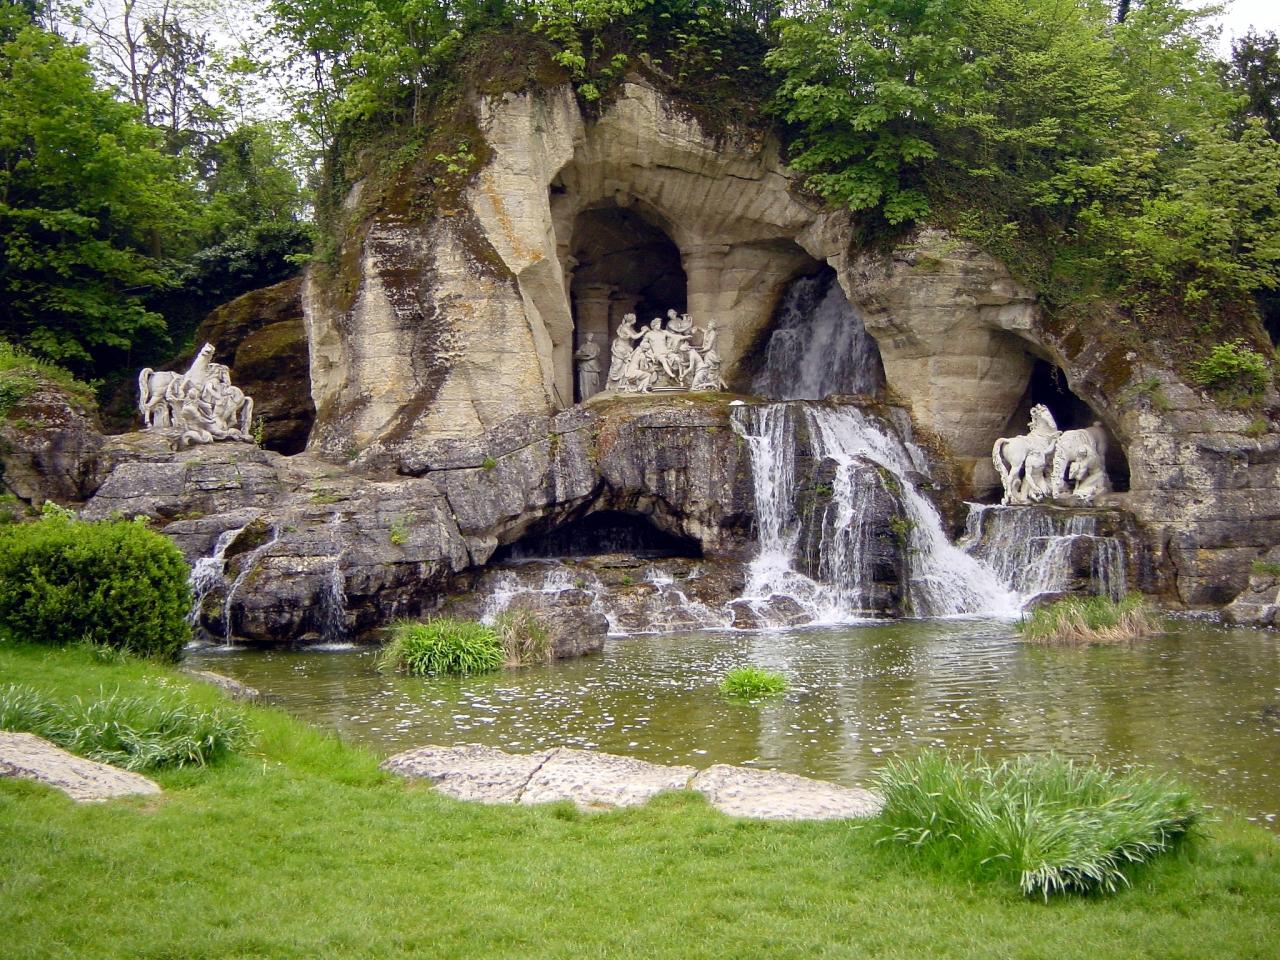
(1039, 550)
(247, 566)
(819, 346)
(207, 573)
(943, 580)
(333, 602)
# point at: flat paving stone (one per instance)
(592, 779)
(472, 772)
(33, 758)
(774, 795)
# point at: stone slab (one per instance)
(472, 772)
(228, 685)
(774, 795)
(33, 758)
(601, 779)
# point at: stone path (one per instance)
(603, 780)
(32, 758)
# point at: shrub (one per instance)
(524, 639)
(442, 645)
(128, 732)
(1232, 368)
(21, 373)
(1055, 825)
(1080, 621)
(752, 683)
(112, 583)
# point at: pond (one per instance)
(1201, 701)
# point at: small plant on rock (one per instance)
(752, 683)
(1233, 369)
(1082, 621)
(442, 645)
(524, 639)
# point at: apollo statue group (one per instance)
(198, 406)
(653, 357)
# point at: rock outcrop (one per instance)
(50, 444)
(30, 757)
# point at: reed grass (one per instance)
(752, 683)
(442, 646)
(1082, 621)
(1055, 825)
(135, 733)
(524, 639)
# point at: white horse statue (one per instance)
(153, 389)
(1025, 482)
(202, 405)
(1079, 458)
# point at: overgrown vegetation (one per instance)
(21, 374)
(1054, 825)
(113, 583)
(1233, 369)
(1080, 621)
(442, 646)
(136, 733)
(524, 639)
(753, 683)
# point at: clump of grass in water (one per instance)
(752, 683)
(129, 732)
(442, 645)
(524, 639)
(1056, 825)
(1079, 621)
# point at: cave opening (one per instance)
(1048, 385)
(621, 263)
(607, 531)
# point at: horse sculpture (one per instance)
(1010, 456)
(154, 387)
(201, 405)
(1079, 458)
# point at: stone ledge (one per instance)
(27, 756)
(603, 780)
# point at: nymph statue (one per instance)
(588, 356)
(663, 357)
(202, 405)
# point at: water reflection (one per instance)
(1193, 701)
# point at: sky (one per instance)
(1262, 15)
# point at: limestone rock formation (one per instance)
(50, 445)
(33, 758)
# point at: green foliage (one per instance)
(1233, 368)
(87, 204)
(752, 683)
(136, 733)
(21, 373)
(1266, 568)
(399, 531)
(1090, 620)
(900, 527)
(114, 583)
(524, 639)
(1055, 825)
(442, 645)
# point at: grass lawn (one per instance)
(300, 847)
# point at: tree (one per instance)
(88, 207)
(1254, 71)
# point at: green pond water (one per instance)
(1202, 702)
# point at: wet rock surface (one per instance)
(601, 781)
(30, 757)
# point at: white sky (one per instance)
(1240, 15)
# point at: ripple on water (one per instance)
(1193, 702)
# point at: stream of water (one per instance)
(1202, 701)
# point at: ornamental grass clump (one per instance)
(129, 732)
(752, 683)
(442, 645)
(523, 637)
(1054, 825)
(1081, 621)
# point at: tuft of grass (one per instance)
(524, 639)
(442, 645)
(1080, 621)
(136, 733)
(1266, 568)
(752, 683)
(1055, 825)
(21, 373)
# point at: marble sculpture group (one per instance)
(1052, 464)
(663, 358)
(200, 405)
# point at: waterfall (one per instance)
(207, 573)
(1039, 550)
(333, 602)
(819, 346)
(942, 579)
(247, 566)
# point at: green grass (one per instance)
(752, 683)
(1080, 621)
(442, 645)
(21, 373)
(1050, 825)
(300, 848)
(523, 637)
(137, 733)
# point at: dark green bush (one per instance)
(1233, 368)
(112, 583)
